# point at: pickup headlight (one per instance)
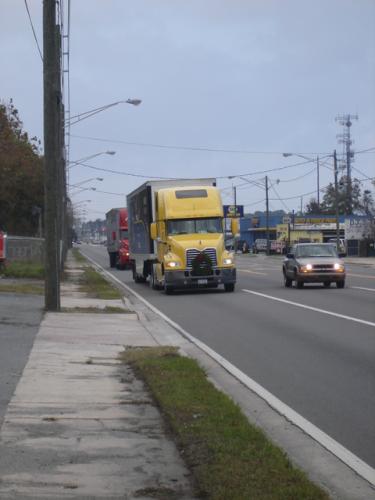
(306, 268)
(228, 261)
(338, 267)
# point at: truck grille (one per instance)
(191, 253)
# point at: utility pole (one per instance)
(318, 182)
(52, 95)
(267, 217)
(336, 202)
(235, 213)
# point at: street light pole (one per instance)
(336, 202)
(267, 217)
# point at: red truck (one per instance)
(117, 238)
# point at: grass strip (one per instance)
(78, 256)
(24, 288)
(23, 270)
(93, 283)
(228, 456)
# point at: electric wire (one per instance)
(33, 30)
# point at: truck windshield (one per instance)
(124, 234)
(191, 226)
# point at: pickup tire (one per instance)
(287, 282)
(299, 284)
(340, 284)
(229, 287)
(327, 284)
(168, 290)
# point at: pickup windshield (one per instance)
(191, 226)
(316, 251)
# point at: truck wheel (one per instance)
(229, 287)
(327, 284)
(112, 259)
(168, 289)
(340, 284)
(152, 278)
(299, 284)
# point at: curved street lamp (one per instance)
(90, 157)
(82, 116)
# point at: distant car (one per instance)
(313, 263)
(342, 246)
(260, 245)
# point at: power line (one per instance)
(32, 27)
(184, 148)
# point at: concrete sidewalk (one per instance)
(81, 426)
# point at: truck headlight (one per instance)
(172, 263)
(338, 267)
(227, 261)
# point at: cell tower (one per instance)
(345, 139)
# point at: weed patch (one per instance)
(23, 270)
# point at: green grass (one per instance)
(93, 283)
(23, 270)
(78, 256)
(27, 288)
(229, 457)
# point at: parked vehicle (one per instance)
(342, 246)
(118, 238)
(3, 248)
(260, 245)
(176, 234)
(313, 263)
(276, 246)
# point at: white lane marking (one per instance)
(346, 456)
(363, 288)
(361, 276)
(311, 308)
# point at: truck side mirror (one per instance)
(290, 255)
(234, 227)
(153, 231)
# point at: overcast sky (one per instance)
(253, 78)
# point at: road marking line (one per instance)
(251, 272)
(361, 276)
(363, 288)
(346, 456)
(311, 308)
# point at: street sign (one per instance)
(233, 211)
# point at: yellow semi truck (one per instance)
(176, 235)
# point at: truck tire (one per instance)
(327, 284)
(229, 287)
(340, 284)
(168, 289)
(299, 284)
(112, 259)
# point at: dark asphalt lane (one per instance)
(321, 366)
(20, 317)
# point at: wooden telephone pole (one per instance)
(52, 152)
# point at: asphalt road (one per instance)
(321, 365)
(20, 317)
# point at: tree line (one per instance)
(21, 176)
